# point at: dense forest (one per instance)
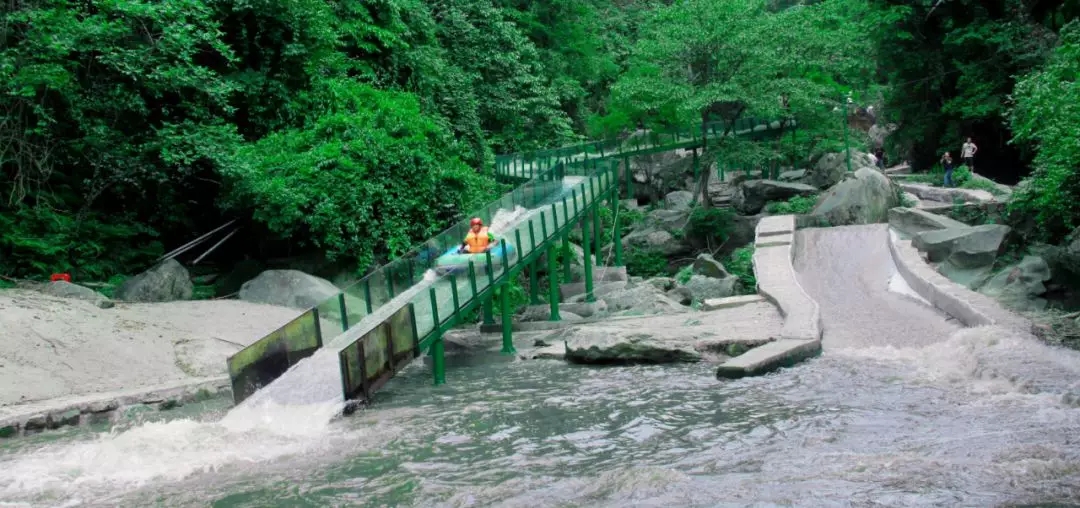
(356, 128)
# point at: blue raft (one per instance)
(453, 261)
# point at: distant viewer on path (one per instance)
(967, 153)
(947, 162)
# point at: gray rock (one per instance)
(966, 247)
(64, 289)
(165, 282)
(702, 288)
(796, 175)
(1020, 285)
(751, 196)
(599, 347)
(947, 195)
(864, 199)
(708, 266)
(832, 168)
(644, 300)
(288, 288)
(913, 220)
(661, 283)
(681, 294)
(679, 200)
(877, 133)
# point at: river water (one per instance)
(855, 427)
(951, 417)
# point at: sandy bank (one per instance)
(55, 347)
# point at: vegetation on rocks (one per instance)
(355, 129)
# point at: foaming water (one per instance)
(934, 415)
(292, 417)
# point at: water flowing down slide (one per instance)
(864, 301)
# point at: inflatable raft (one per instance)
(453, 261)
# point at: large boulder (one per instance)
(864, 199)
(288, 288)
(832, 168)
(1021, 285)
(657, 175)
(877, 133)
(64, 289)
(679, 200)
(657, 233)
(965, 247)
(591, 346)
(751, 196)
(168, 281)
(794, 175)
(914, 220)
(947, 194)
(708, 266)
(644, 299)
(702, 288)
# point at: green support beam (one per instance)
(617, 240)
(589, 297)
(598, 234)
(566, 255)
(507, 321)
(553, 283)
(534, 284)
(489, 312)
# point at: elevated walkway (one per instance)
(402, 309)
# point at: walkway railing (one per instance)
(374, 357)
(526, 165)
(399, 310)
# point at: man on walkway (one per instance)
(967, 153)
(947, 163)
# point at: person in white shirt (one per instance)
(967, 153)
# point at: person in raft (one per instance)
(479, 238)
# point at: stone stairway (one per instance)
(720, 194)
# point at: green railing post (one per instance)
(697, 166)
(534, 284)
(438, 353)
(598, 231)
(344, 312)
(489, 312)
(617, 235)
(507, 322)
(847, 149)
(367, 294)
(472, 278)
(589, 297)
(566, 252)
(553, 283)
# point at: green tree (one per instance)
(1046, 113)
(701, 59)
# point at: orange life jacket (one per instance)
(477, 242)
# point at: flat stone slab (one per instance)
(775, 225)
(22, 419)
(731, 301)
(768, 358)
(774, 240)
(573, 289)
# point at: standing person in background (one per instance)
(967, 153)
(947, 162)
(879, 153)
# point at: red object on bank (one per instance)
(66, 277)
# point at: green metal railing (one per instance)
(526, 165)
(393, 314)
(439, 306)
(403, 276)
